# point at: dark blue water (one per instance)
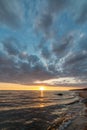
(32, 110)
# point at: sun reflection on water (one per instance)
(41, 98)
(41, 93)
(41, 105)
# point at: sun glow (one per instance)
(42, 88)
(11, 86)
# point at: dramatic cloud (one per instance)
(14, 68)
(43, 42)
(60, 47)
(22, 72)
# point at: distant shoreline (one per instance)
(82, 89)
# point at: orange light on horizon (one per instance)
(11, 86)
(42, 88)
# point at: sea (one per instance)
(35, 110)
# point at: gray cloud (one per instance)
(83, 43)
(75, 63)
(60, 47)
(8, 67)
(11, 13)
(42, 43)
(75, 58)
(33, 60)
(17, 70)
(82, 13)
(46, 19)
(68, 56)
(45, 22)
(11, 45)
(45, 52)
(57, 5)
(71, 58)
(3, 58)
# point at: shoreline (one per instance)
(81, 120)
(77, 120)
(83, 95)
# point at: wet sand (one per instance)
(80, 122)
(74, 121)
(83, 95)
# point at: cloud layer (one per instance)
(11, 12)
(43, 42)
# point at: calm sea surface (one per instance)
(33, 110)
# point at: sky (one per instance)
(43, 42)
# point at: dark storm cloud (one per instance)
(11, 13)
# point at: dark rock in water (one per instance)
(60, 94)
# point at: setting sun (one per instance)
(42, 88)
